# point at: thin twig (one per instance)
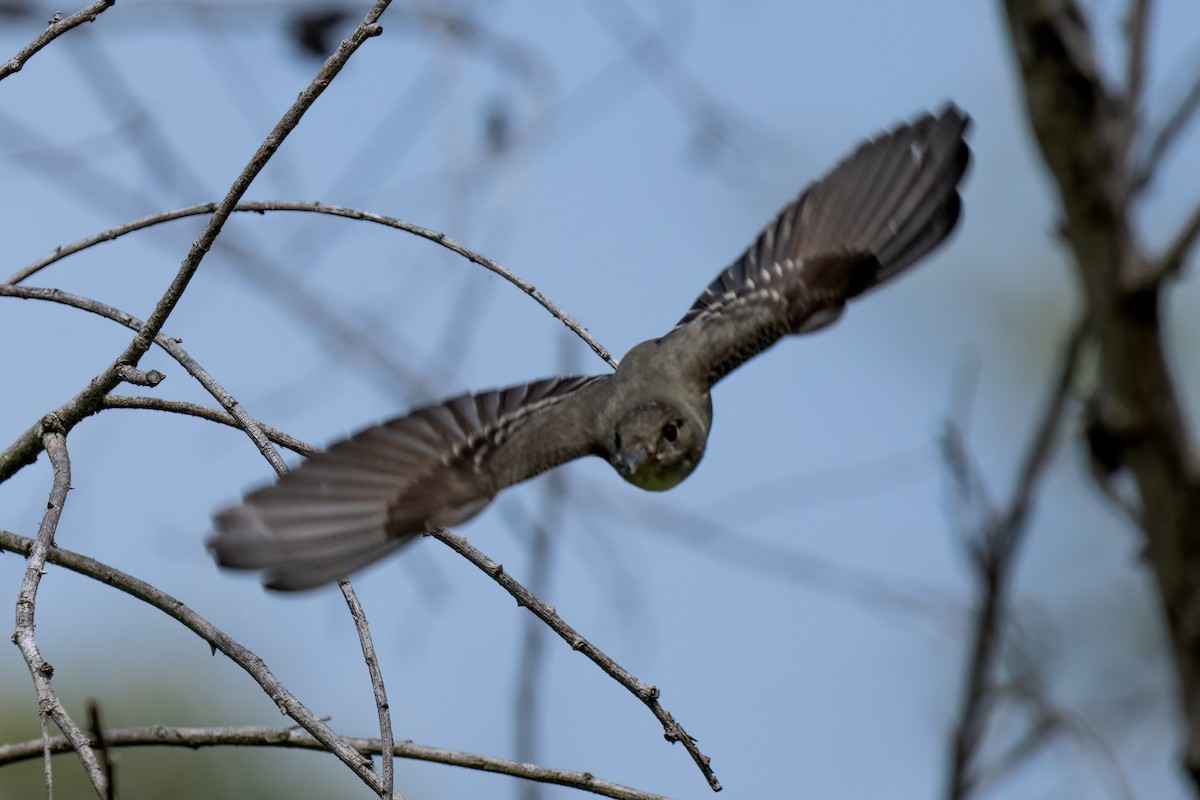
(272, 275)
(255, 736)
(1038, 456)
(311, 206)
(531, 658)
(701, 534)
(56, 28)
(85, 403)
(26, 447)
(47, 753)
(139, 377)
(1137, 34)
(217, 639)
(1173, 258)
(369, 28)
(40, 550)
(100, 742)
(204, 412)
(1167, 135)
(994, 553)
(672, 730)
(534, 650)
(388, 741)
(320, 736)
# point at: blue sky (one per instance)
(801, 599)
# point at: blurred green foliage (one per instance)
(164, 697)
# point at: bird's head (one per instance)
(656, 445)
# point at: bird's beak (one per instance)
(632, 460)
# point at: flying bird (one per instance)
(876, 213)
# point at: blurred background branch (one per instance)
(1080, 120)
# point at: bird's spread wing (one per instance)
(374, 491)
(881, 209)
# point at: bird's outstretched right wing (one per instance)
(882, 208)
(372, 492)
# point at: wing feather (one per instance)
(877, 212)
(372, 492)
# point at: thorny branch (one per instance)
(672, 730)
(217, 639)
(168, 344)
(381, 704)
(204, 412)
(55, 442)
(57, 27)
(28, 445)
(100, 742)
(148, 332)
(261, 206)
(254, 736)
(320, 736)
(39, 437)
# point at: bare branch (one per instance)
(138, 377)
(1167, 135)
(261, 206)
(1137, 33)
(100, 742)
(531, 659)
(1173, 258)
(26, 447)
(672, 730)
(39, 551)
(47, 755)
(388, 742)
(1076, 123)
(994, 556)
(274, 278)
(86, 402)
(57, 27)
(217, 639)
(531, 666)
(1038, 456)
(369, 28)
(254, 736)
(204, 412)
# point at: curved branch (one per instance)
(85, 403)
(217, 639)
(204, 412)
(56, 28)
(39, 551)
(312, 206)
(387, 740)
(25, 449)
(254, 736)
(672, 730)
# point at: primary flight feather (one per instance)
(881, 209)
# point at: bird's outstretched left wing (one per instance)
(882, 208)
(372, 492)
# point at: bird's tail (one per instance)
(324, 541)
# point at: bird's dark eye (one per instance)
(670, 432)
(617, 442)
